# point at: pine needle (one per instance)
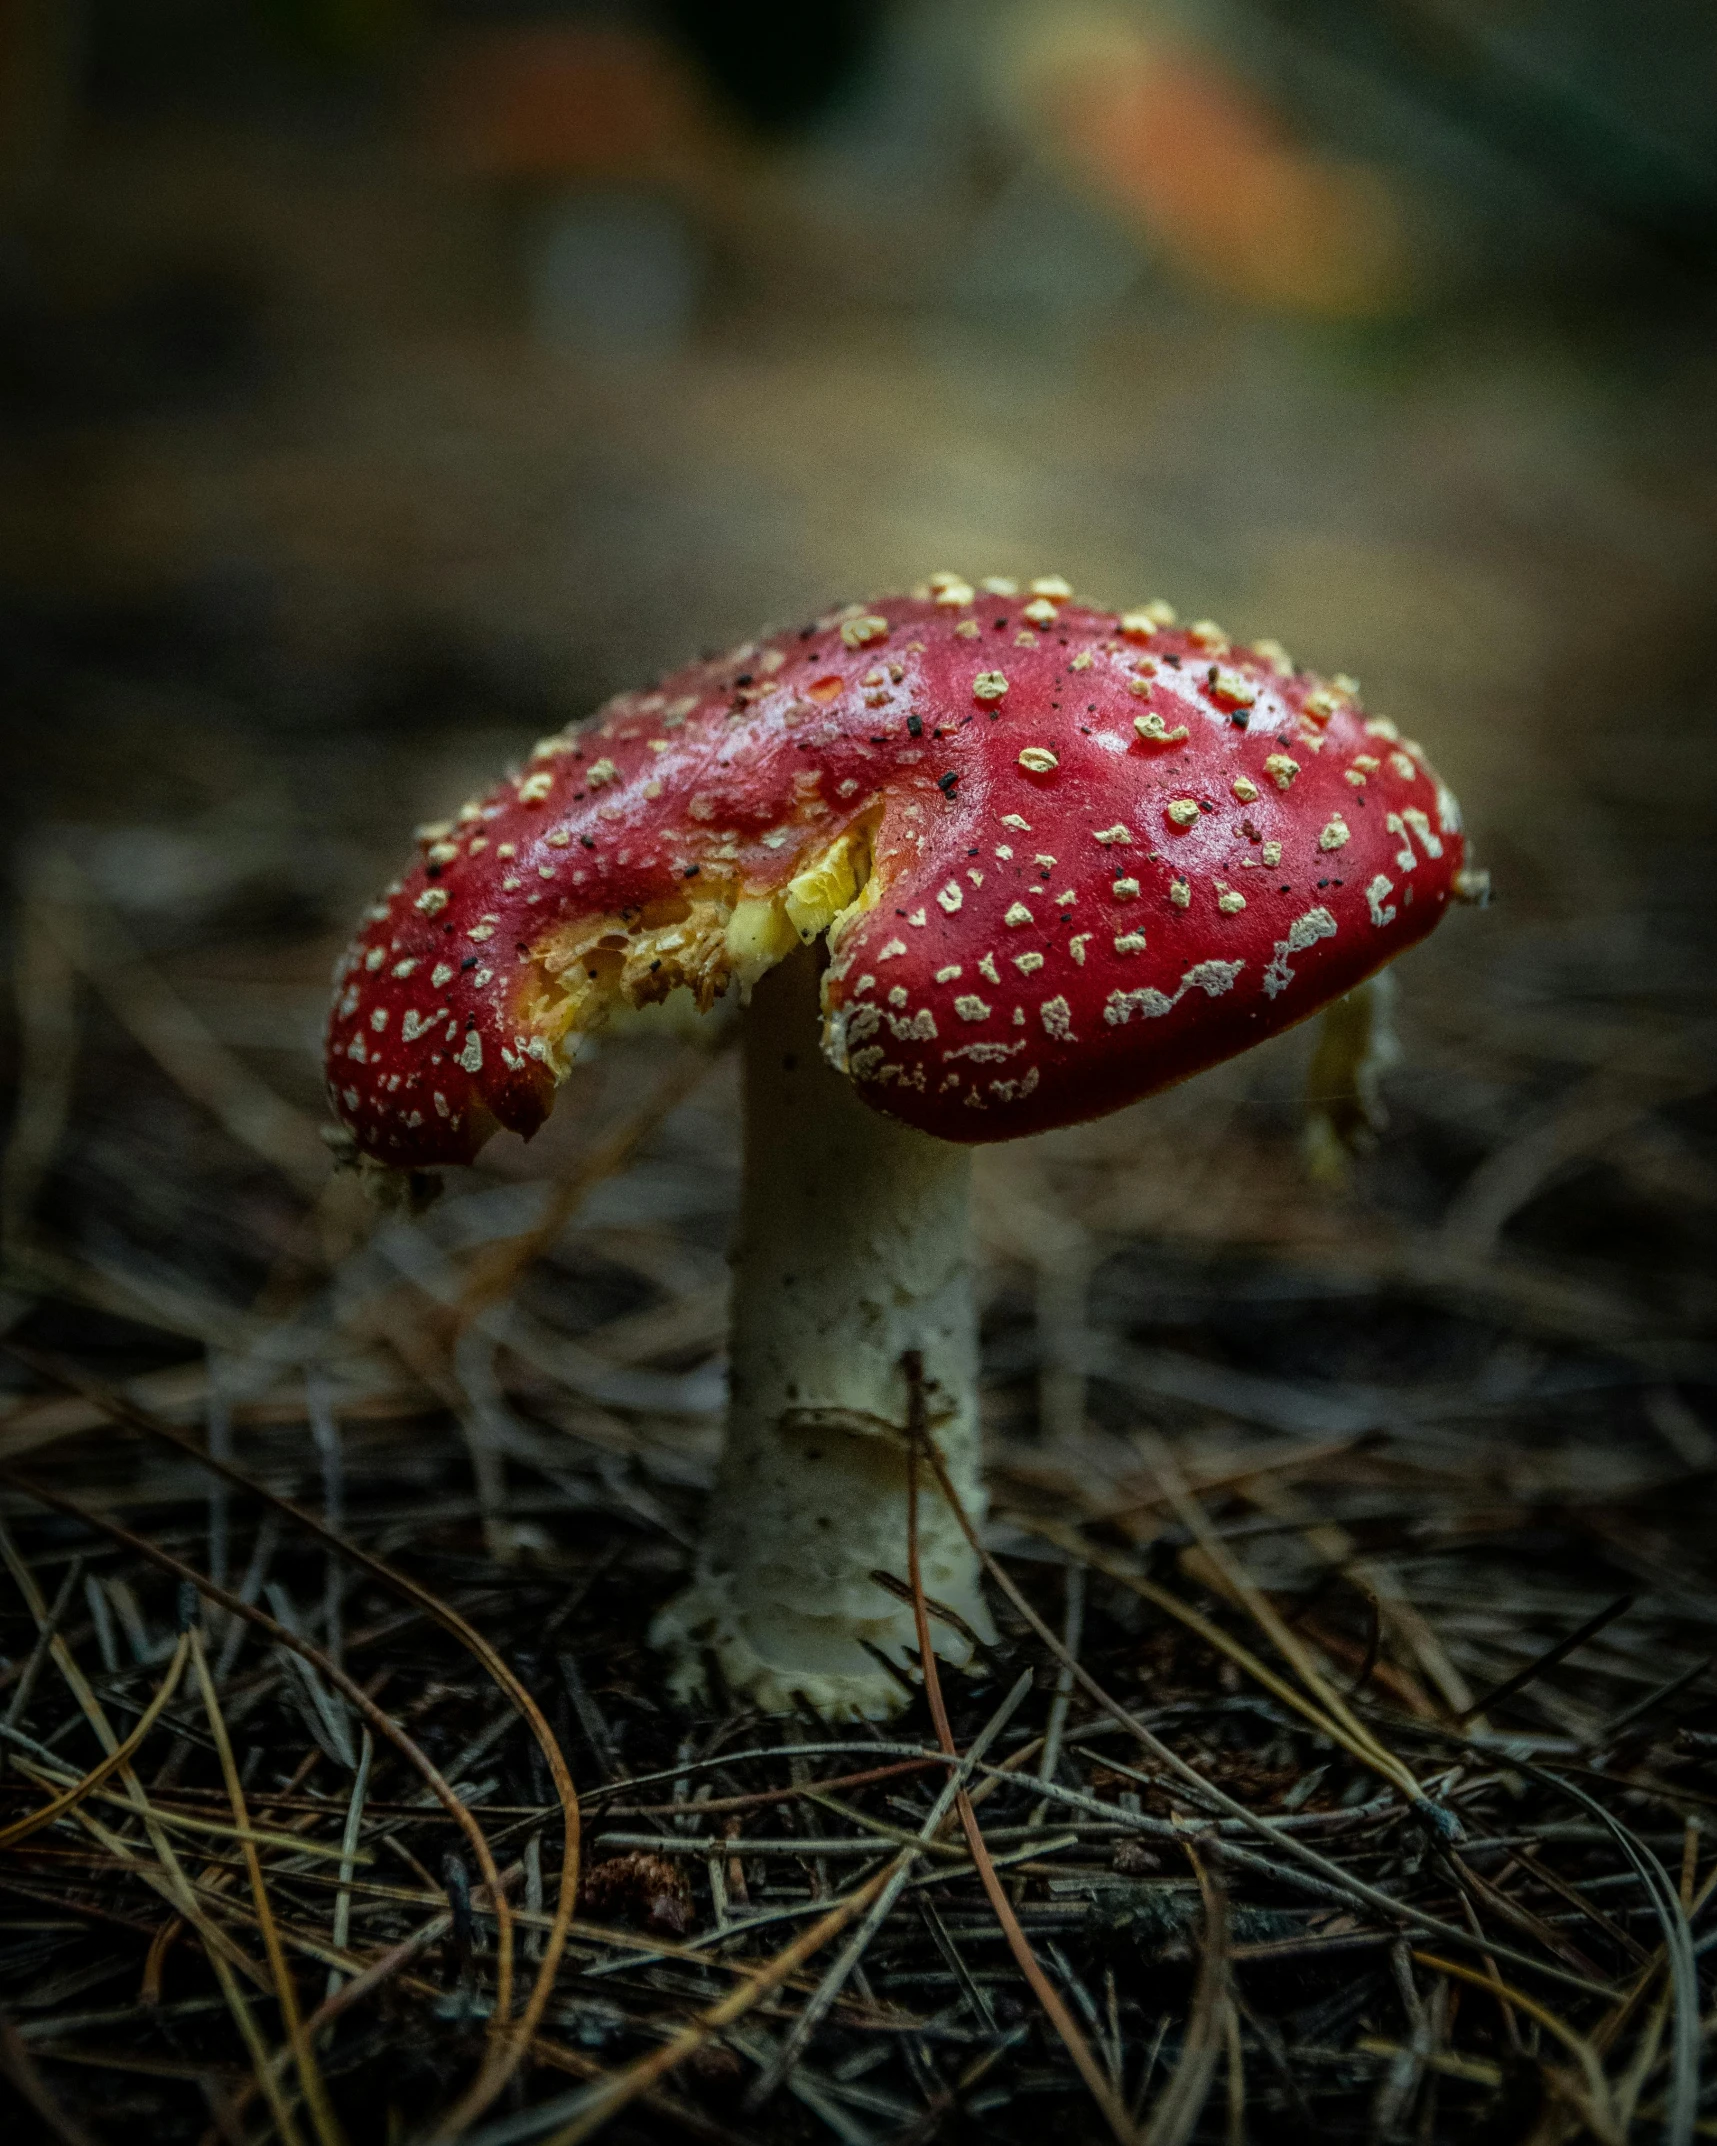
(328, 2128)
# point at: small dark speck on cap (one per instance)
(914, 727)
(691, 872)
(945, 783)
(589, 841)
(1323, 882)
(470, 962)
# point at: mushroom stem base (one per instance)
(853, 1250)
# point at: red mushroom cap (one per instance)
(1064, 858)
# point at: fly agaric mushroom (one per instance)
(1060, 857)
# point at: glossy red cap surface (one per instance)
(1064, 858)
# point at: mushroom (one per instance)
(1026, 862)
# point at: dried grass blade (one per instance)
(170, 1881)
(1296, 1458)
(310, 2080)
(325, 1430)
(1072, 1631)
(220, 1949)
(494, 1272)
(322, 1714)
(1181, 2102)
(349, 1852)
(347, 1685)
(1601, 2111)
(1265, 1615)
(624, 2087)
(1684, 2085)
(220, 1829)
(720, 1806)
(366, 1980)
(166, 1878)
(1342, 1882)
(33, 1821)
(1482, 1892)
(174, 1886)
(363, 1980)
(1642, 2064)
(1608, 2033)
(507, 2046)
(682, 2114)
(899, 1872)
(1670, 1688)
(1096, 2079)
(45, 1635)
(1549, 1659)
(1223, 1642)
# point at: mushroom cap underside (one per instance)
(1062, 857)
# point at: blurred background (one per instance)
(385, 382)
(382, 384)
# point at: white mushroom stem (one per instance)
(853, 1250)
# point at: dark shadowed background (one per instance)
(383, 383)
